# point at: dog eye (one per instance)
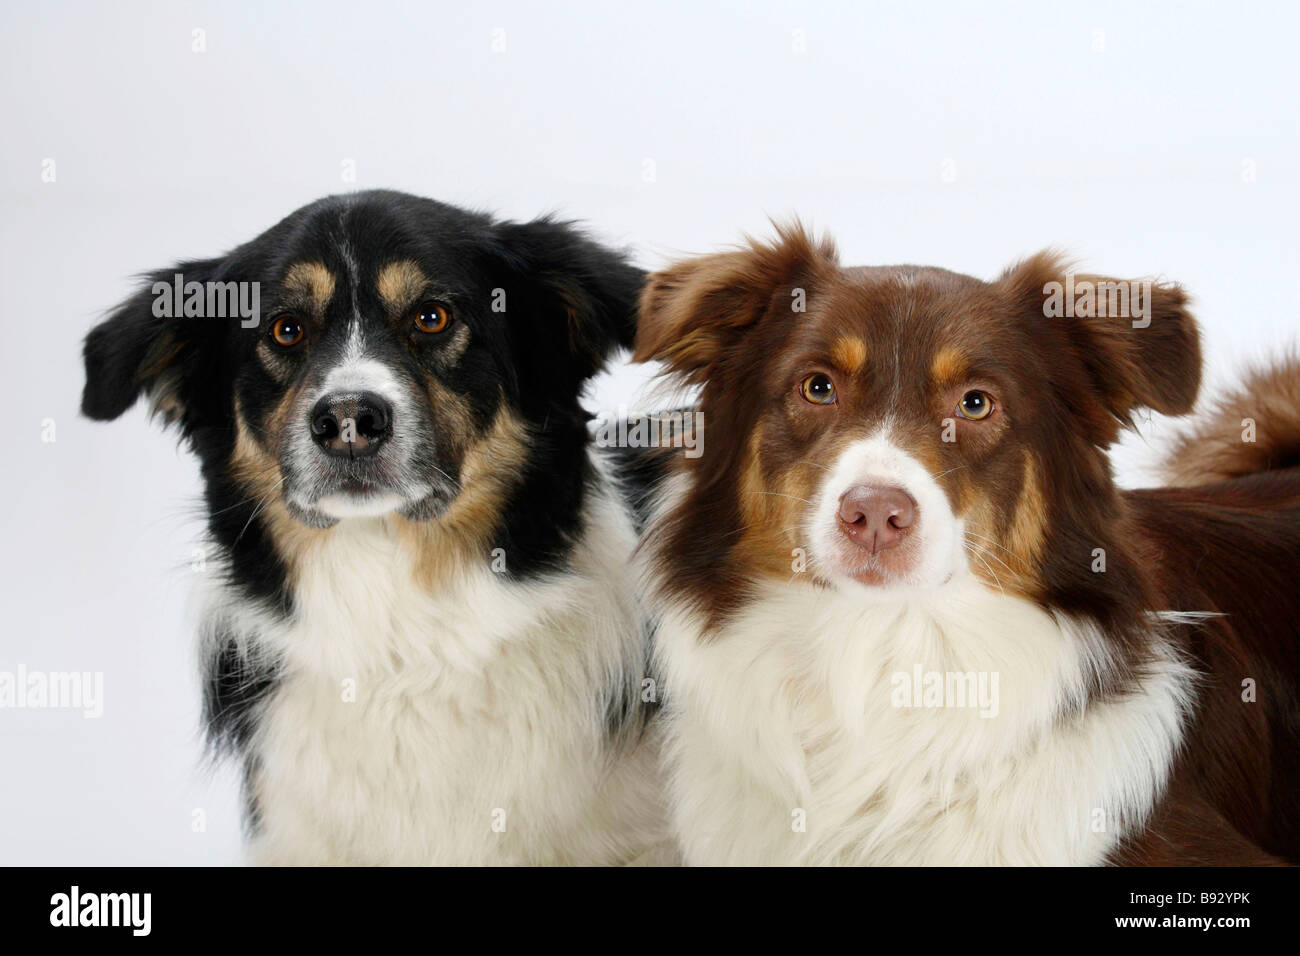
(432, 317)
(818, 389)
(287, 331)
(975, 405)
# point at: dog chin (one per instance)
(342, 505)
(884, 575)
(869, 578)
(328, 510)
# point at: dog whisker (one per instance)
(996, 580)
(262, 502)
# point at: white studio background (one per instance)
(1150, 139)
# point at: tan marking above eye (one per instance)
(312, 281)
(849, 354)
(400, 283)
(432, 317)
(949, 365)
(818, 389)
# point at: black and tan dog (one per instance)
(421, 640)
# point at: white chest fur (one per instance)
(464, 726)
(796, 735)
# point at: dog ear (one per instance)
(145, 346)
(1136, 339)
(578, 289)
(694, 311)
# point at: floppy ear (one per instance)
(144, 347)
(1136, 339)
(586, 293)
(692, 312)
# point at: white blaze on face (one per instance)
(932, 552)
(363, 375)
(354, 373)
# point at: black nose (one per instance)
(351, 424)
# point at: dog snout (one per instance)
(351, 424)
(876, 517)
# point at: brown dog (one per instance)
(906, 614)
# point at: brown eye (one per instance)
(975, 405)
(818, 389)
(286, 331)
(432, 317)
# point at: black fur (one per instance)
(235, 687)
(570, 303)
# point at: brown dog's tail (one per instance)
(1251, 429)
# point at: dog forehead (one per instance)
(336, 280)
(889, 322)
(355, 239)
(885, 301)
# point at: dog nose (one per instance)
(876, 518)
(351, 424)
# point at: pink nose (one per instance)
(876, 518)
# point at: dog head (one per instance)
(372, 354)
(893, 428)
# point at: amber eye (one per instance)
(818, 389)
(287, 331)
(975, 405)
(432, 317)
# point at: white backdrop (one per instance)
(1162, 140)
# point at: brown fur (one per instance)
(949, 366)
(1231, 548)
(849, 354)
(734, 289)
(1032, 483)
(255, 466)
(400, 284)
(1215, 447)
(461, 537)
(313, 283)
